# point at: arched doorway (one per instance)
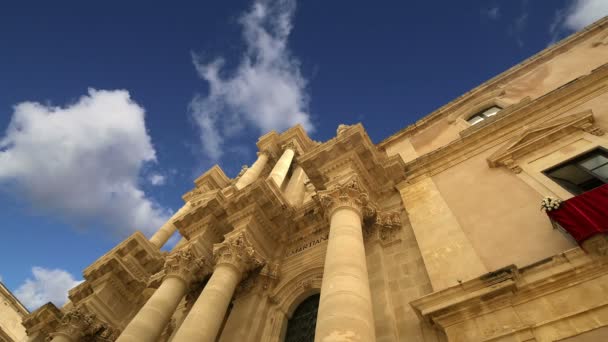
(301, 325)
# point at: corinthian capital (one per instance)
(238, 252)
(76, 324)
(185, 265)
(349, 194)
(291, 145)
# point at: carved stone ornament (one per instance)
(238, 252)
(591, 128)
(349, 194)
(291, 145)
(384, 226)
(388, 223)
(183, 264)
(244, 169)
(75, 324)
(512, 165)
(342, 128)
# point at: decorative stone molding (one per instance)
(494, 83)
(75, 324)
(485, 100)
(591, 128)
(509, 126)
(342, 128)
(540, 135)
(183, 264)
(383, 226)
(348, 194)
(238, 252)
(291, 145)
(43, 320)
(596, 245)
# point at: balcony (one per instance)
(584, 218)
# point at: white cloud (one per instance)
(48, 285)
(517, 28)
(266, 91)
(82, 161)
(576, 16)
(157, 179)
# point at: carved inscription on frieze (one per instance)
(306, 245)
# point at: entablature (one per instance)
(352, 151)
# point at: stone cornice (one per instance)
(210, 209)
(506, 127)
(273, 141)
(540, 135)
(44, 319)
(509, 286)
(15, 303)
(495, 82)
(347, 150)
(214, 178)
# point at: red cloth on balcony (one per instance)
(584, 215)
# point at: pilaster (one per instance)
(448, 254)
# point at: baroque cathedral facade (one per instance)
(433, 234)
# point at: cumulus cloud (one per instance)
(577, 15)
(82, 161)
(47, 285)
(266, 91)
(157, 179)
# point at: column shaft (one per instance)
(345, 307)
(253, 172)
(163, 234)
(151, 320)
(205, 318)
(295, 188)
(281, 168)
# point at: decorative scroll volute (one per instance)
(349, 194)
(185, 265)
(238, 252)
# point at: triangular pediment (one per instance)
(537, 136)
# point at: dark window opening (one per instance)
(301, 326)
(581, 173)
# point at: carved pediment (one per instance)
(537, 136)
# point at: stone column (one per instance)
(164, 233)
(296, 188)
(281, 168)
(253, 172)
(148, 324)
(345, 306)
(233, 258)
(74, 325)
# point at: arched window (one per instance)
(301, 325)
(483, 115)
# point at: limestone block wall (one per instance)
(397, 276)
(11, 314)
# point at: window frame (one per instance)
(481, 114)
(575, 161)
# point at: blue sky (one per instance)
(109, 110)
